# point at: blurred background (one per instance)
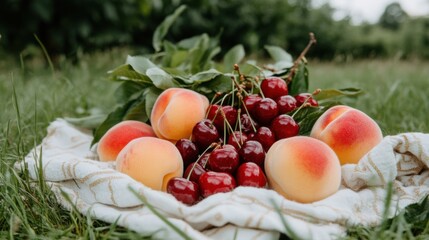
(345, 29)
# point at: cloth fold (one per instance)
(95, 188)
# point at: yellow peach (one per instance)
(176, 111)
(302, 169)
(348, 131)
(118, 136)
(151, 161)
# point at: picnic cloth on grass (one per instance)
(97, 189)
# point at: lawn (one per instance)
(31, 96)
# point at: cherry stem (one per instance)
(237, 69)
(239, 120)
(301, 56)
(215, 145)
(248, 114)
(229, 126)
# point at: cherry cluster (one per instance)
(227, 149)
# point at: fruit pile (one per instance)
(245, 137)
(228, 147)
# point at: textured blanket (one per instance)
(72, 169)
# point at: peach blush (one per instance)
(118, 136)
(303, 169)
(151, 161)
(176, 111)
(348, 131)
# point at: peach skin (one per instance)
(118, 136)
(175, 113)
(151, 161)
(349, 132)
(303, 169)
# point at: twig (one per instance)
(301, 56)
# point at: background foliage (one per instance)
(70, 27)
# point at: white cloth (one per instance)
(76, 177)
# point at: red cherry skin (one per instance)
(197, 171)
(250, 174)
(216, 182)
(224, 159)
(237, 139)
(188, 150)
(184, 190)
(265, 111)
(274, 87)
(265, 136)
(252, 151)
(214, 114)
(204, 159)
(284, 126)
(286, 104)
(204, 134)
(250, 103)
(302, 97)
(246, 123)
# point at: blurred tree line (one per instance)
(67, 27)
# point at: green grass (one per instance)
(31, 96)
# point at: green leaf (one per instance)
(306, 117)
(234, 56)
(137, 110)
(89, 122)
(189, 43)
(278, 54)
(163, 28)
(160, 78)
(113, 118)
(417, 215)
(282, 65)
(140, 64)
(250, 69)
(150, 97)
(331, 93)
(221, 83)
(205, 76)
(127, 73)
(129, 90)
(299, 83)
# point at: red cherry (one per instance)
(237, 139)
(286, 104)
(204, 134)
(188, 150)
(215, 115)
(224, 159)
(216, 182)
(265, 111)
(283, 126)
(274, 87)
(265, 136)
(183, 190)
(197, 171)
(252, 151)
(302, 97)
(204, 159)
(250, 174)
(250, 103)
(246, 123)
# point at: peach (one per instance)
(118, 136)
(303, 169)
(151, 161)
(348, 131)
(176, 111)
